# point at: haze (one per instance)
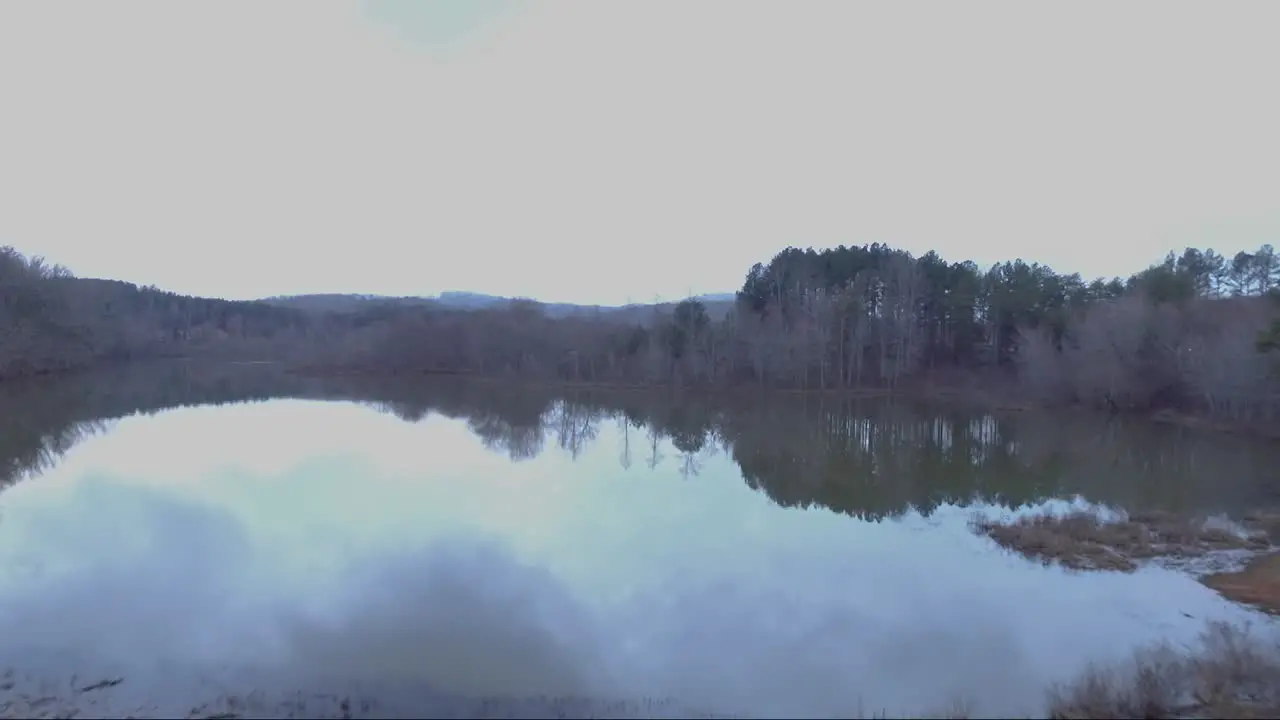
(603, 152)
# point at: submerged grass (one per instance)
(1231, 675)
(1082, 541)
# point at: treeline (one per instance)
(1182, 334)
(51, 321)
(1188, 333)
(866, 457)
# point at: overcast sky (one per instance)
(600, 151)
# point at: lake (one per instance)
(442, 546)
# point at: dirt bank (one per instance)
(1258, 584)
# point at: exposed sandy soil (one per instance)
(1258, 584)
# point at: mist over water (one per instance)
(321, 546)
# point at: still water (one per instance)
(210, 532)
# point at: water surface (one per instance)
(413, 540)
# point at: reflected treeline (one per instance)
(869, 457)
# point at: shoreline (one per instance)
(1234, 674)
(1083, 541)
(998, 396)
(116, 697)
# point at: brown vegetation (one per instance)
(1258, 584)
(1199, 357)
(1082, 541)
(1233, 675)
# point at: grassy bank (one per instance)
(1232, 674)
(1083, 541)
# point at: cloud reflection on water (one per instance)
(315, 541)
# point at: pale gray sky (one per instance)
(595, 151)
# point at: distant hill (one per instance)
(717, 304)
(338, 302)
(717, 297)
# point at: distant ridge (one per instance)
(717, 303)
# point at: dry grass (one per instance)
(1080, 540)
(1232, 675)
(1258, 584)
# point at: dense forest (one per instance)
(1191, 333)
(52, 321)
